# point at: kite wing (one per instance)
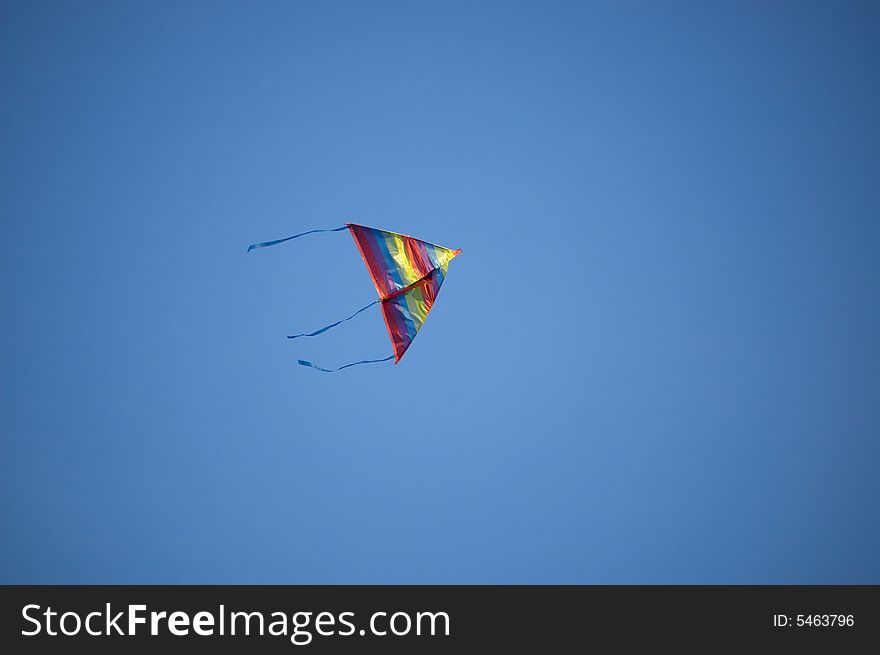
(406, 311)
(395, 261)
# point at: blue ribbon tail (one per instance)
(303, 362)
(332, 325)
(266, 244)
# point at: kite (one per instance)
(407, 273)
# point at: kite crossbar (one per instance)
(406, 289)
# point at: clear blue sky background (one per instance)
(656, 359)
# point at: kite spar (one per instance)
(407, 273)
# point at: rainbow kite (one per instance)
(407, 273)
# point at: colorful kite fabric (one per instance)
(407, 274)
(406, 311)
(396, 261)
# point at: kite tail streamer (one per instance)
(332, 325)
(265, 244)
(303, 362)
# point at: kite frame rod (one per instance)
(417, 283)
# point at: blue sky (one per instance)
(656, 359)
